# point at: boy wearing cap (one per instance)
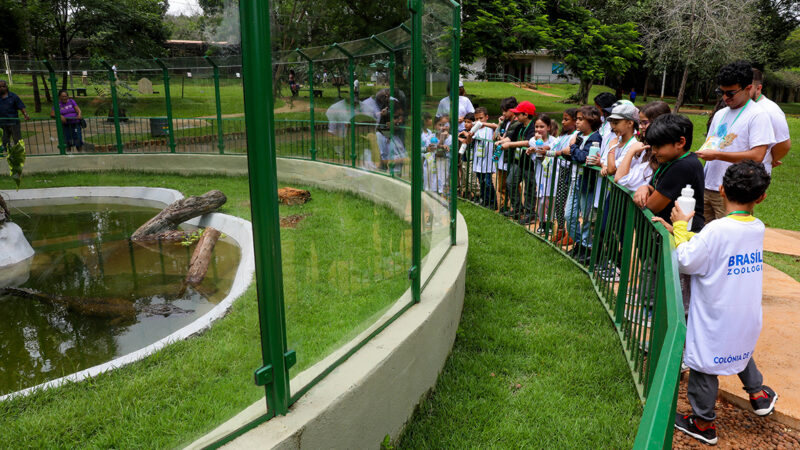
(464, 105)
(520, 166)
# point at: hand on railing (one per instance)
(657, 219)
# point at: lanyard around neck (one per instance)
(737, 116)
(738, 212)
(525, 131)
(663, 168)
(627, 144)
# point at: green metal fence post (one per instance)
(168, 99)
(625, 268)
(220, 132)
(351, 67)
(455, 68)
(112, 80)
(417, 90)
(263, 179)
(310, 102)
(62, 145)
(392, 65)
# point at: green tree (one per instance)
(494, 29)
(790, 55)
(590, 49)
(185, 27)
(773, 22)
(12, 34)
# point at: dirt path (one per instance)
(536, 91)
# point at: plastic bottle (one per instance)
(475, 127)
(539, 145)
(687, 202)
(594, 150)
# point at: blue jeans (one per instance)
(73, 135)
(580, 202)
(488, 194)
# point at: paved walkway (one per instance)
(778, 349)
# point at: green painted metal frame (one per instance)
(112, 80)
(62, 146)
(455, 69)
(417, 91)
(310, 102)
(168, 101)
(220, 132)
(351, 67)
(262, 166)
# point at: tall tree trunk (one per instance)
(583, 91)
(682, 90)
(646, 85)
(46, 90)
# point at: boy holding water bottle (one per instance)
(726, 264)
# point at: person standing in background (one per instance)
(10, 105)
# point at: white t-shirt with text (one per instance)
(725, 261)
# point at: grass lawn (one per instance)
(536, 362)
(788, 264)
(177, 394)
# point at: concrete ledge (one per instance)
(238, 229)
(210, 164)
(376, 390)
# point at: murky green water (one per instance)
(82, 252)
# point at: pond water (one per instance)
(83, 254)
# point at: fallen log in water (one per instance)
(198, 264)
(179, 212)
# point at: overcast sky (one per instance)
(178, 7)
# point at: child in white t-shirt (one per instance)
(545, 168)
(429, 179)
(726, 265)
(483, 163)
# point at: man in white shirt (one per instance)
(780, 127)
(740, 131)
(464, 105)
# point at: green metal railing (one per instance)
(631, 262)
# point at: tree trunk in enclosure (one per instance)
(682, 90)
(201, 258)
(37, 99)
(179, 212)
(646, 85)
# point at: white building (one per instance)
(529, 65)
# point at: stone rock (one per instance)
(145, 86)
(14, 248)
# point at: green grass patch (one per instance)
(343, 264)
(788, 264)
(536, 361)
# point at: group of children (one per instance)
(648, 151)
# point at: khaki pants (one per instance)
(713, 206)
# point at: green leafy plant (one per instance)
(16, 160)
(192, 238)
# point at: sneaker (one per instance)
(527, 219)
(505, 210)
(764, 404)
(687, 425)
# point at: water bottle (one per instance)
(594, 150)
(539, 145)
(687, 202)
(498, 151)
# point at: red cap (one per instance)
(525, 107)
